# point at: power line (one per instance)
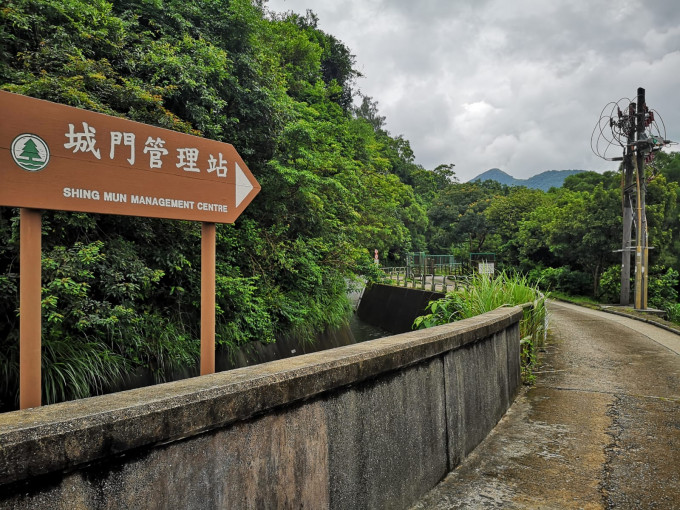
(640, 133)
(613, 127)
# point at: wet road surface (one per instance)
(600, 429)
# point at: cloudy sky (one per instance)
(512, 84)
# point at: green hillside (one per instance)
(543, 181)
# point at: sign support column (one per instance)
(30, 327)
(208, 243)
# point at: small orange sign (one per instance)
(59, 157)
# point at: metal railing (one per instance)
(442, 277)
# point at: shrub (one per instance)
(562, 279)
(610, 284)
(482, 294)
(661, 290)
(673, 312)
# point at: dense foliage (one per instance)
(568, 237)
(121, 294)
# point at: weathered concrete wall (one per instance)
(371, 425)
(394, 308)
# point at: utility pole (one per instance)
(627, 205)
(642, 248)
(641, 133)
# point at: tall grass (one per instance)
(70, 370)
(73, 370)
(482, 293)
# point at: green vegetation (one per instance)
(567, 238)
(481, 294)
(584, 301)
(122, 294)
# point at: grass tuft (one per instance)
(482, 293)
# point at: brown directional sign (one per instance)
(58, 157)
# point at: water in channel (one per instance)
(363, 331)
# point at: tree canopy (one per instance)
(124, 292)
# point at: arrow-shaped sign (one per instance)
(58, 157)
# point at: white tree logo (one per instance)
(30, 152)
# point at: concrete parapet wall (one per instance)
(371, 425)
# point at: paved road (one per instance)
(600, 429)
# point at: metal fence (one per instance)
(437, 272)
(444, 278)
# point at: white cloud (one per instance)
(516, 85)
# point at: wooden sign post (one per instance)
(58, 157)
(207, 298)
(30, 327)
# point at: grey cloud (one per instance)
(516, 85)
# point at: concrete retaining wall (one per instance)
(371, 425)
(394, 308)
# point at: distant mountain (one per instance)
(498, 175)
(544, 180)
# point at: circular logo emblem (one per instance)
(30, 152)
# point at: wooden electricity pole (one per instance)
(641, 132)
(627, 204)
(641, 247)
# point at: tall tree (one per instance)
(458, 216)
(505, 215)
